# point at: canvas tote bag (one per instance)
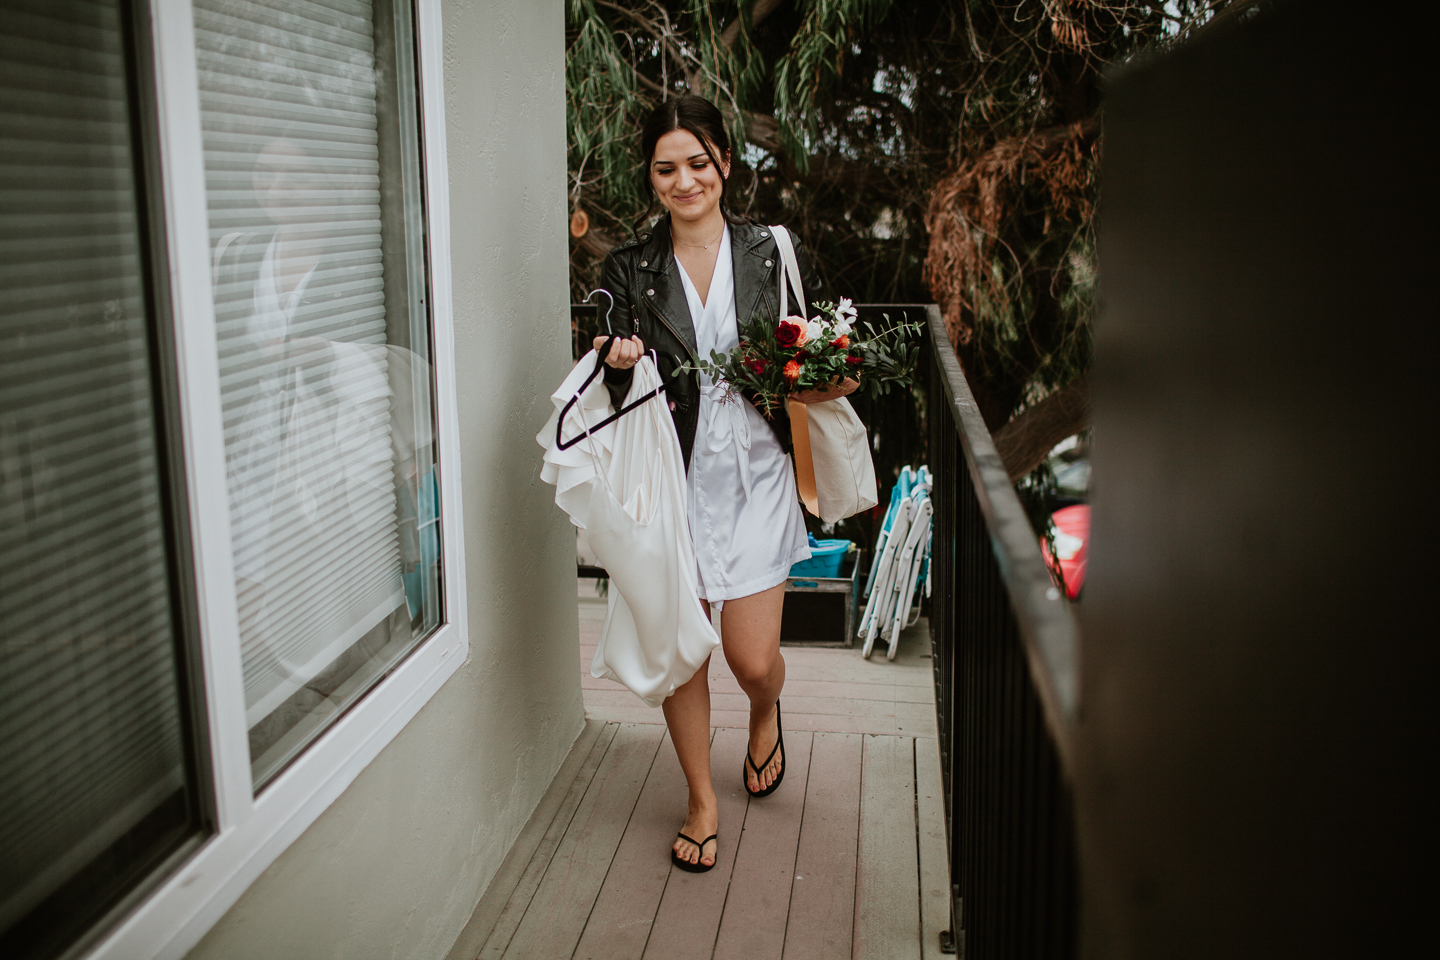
(833, 468)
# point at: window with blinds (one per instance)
(98, 783)
(309, 114)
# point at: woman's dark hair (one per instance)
(699, 117)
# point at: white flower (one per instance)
(815, 330)
(842, 328)
(844, 313)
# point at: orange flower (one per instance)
(792, 371)
(841, 342)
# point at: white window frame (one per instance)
(252, 831)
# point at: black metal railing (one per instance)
(1006, 680)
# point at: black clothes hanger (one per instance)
(600, 356)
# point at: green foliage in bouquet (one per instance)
(774, 360)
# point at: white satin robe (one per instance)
(744, 509)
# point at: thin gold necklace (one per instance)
(703, 246)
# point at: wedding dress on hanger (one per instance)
(625, 486)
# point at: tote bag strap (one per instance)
(789, 270)
(799, 415)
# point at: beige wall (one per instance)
(396, 865)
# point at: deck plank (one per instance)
(887, 882)
(515, 908)
(689, 914)
(934, 851)
(753, 925)
(825, 689)
(864, 688)
(822, 903)
(912, 715)
(601, 706)
(562, 903)
(625, 909)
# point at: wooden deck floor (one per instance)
(847, 859)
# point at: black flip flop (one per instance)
(696, 867)
(779, 745)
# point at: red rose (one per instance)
(790, 333)
(841, 342)
(792, 371)
(757, 366)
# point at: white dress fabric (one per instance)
(625, 487)
(254, 454)
(743, 505)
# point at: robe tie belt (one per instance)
(728, 426)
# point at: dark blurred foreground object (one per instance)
(1256, 743)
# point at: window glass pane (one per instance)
(312, 170)
(97, 770)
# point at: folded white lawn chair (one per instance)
(900, 565)
(899, 492)
(907, 573)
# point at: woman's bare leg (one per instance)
(687, 714)
(750, 633)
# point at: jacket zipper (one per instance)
(666, 323)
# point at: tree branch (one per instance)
(664, 37)
(761, 10)
(1023, 442)
(761, 129)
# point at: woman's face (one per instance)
(685, 180)
(286, 182)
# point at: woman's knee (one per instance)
(754, 667)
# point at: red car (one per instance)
(1072, 546)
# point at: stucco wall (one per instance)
(396, 865)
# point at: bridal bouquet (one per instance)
(774, 360)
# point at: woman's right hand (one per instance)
(624, 354)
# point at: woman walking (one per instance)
(681, 288)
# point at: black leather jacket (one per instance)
(650, 301)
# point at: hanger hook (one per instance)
(611, 296)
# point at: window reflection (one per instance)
(324, 357)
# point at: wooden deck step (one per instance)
(846, 859)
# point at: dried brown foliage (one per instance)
(969, 209)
